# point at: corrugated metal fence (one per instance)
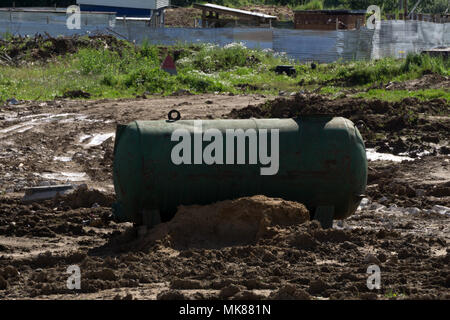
(391, 38)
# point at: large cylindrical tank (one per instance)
(322, 163)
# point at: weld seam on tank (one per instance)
(259, 178)
(141, 180)
(349, 141)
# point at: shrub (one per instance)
(311, 5)
(212, 58)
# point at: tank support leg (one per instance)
(150, 218)
(325, 215)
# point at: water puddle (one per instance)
(65, 176)
(366, 204)
(37, 119)
(98, 139)
(372, 155)
(95, 139)
(62, 159)
(84, 137)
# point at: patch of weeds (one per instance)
(109, 68)
(398, 95)
(390, 294)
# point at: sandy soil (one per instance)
(402, 226)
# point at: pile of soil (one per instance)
(283, 13)
(184, 17)
(428, 81)
(83, 197)
(409, 126)
(407, 184)
(48, 219)
(19, 50)
(292, 260)
(241, 221)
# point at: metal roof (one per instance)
(233, 11)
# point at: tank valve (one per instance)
(174, 115)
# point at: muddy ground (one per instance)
(272, 250)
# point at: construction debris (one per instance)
(46, 192)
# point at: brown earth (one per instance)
(42, 48)
(227, 223)
(428, 81)
(184, 17)
(198, 255)
(410, 126)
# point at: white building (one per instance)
(129, 8)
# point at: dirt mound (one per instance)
(281, 12)
(182, 17)
(428, 81)
(407, 126)
(83, 197)
(185, 17)
(18, 50)
(424, 188)
(49, 219)
(231, 222)
(303, 104)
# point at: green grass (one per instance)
(390, 294)
(109, 74)
(312, 5)
(133, 71)
(398, 95)
(363, 73)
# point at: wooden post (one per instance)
(203, 18)
(337, 23)
(405, 8)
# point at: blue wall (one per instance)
(120, 12)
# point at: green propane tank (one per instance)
(319, 161)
